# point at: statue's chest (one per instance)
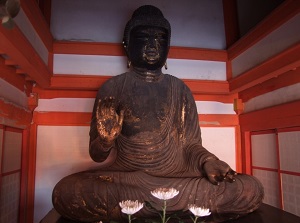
(146, 106)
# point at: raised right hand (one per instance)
(109, 123)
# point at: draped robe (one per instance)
(159, 146)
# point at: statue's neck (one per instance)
(148, 75)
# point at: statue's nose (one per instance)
(152, 43)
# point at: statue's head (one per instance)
(147, 38)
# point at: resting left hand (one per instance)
(218, 171)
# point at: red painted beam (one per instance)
(18, 49)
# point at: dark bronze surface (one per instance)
(145, 135)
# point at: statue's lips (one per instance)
(151, 55)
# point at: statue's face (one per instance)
(148, 47)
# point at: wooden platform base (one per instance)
(265, 214)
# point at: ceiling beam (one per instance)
(280, 64)
(15, 45)
(289, 78)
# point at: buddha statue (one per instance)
(145, 135)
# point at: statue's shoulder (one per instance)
(116, 79)
(175, 80)
(111, 85)
(113, 81)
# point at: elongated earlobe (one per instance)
(128, 63)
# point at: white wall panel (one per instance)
(89, 64)
(289, 149)
(280, 39)
(197, 69)
(269, 181)
(9, 198)
(11, 144)
(86, 105)
(114, 65)
(66, 105)
(104, 21)
(291, 195)
(61, 150)
(276, 97)
(221, 142)
(212, 107)
(264, 150)
(12, 151)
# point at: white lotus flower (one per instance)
(130, 207)
(198, 211)
(164, 193)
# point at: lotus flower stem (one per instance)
(164, 212)
(164, 194)
(195, 219)
(129, 218)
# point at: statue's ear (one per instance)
(125, 47)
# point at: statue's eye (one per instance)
(141, 36)
(161, 36)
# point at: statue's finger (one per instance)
(110, 101)
(111, 106)
(112, 110)
(121, 117)
(224, 172)
(232, 172)
(103, 107)
(98, 109)
(212, 179)
(230, 178)
(219, 178)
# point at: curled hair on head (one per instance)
(146, 15)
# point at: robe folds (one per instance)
(159, 146)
